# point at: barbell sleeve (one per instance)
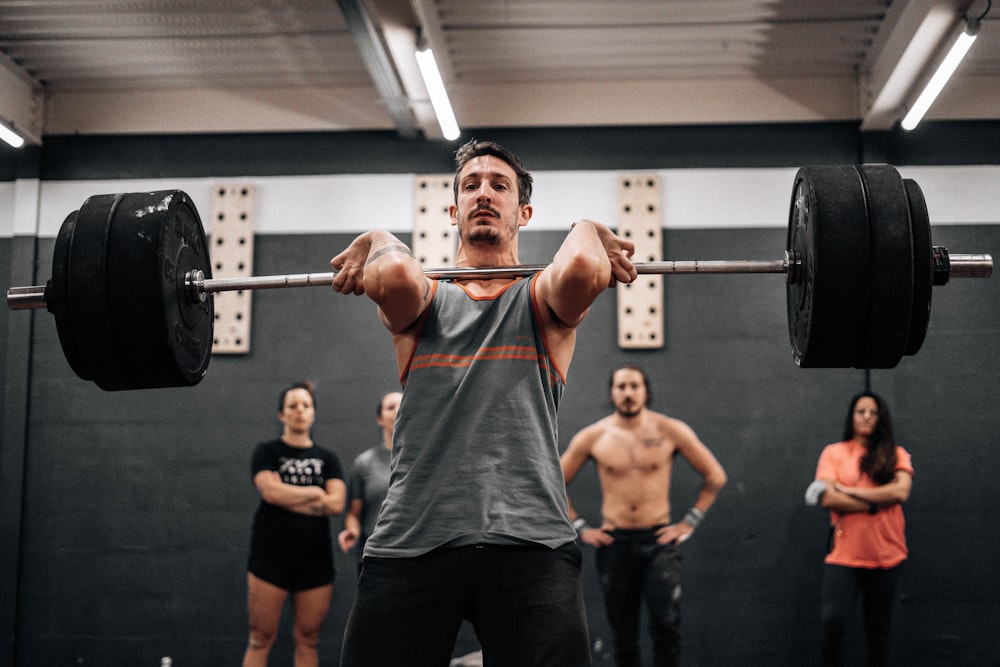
(979, 265)
(25, 298)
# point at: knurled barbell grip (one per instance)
(198, 286)
(960, 266)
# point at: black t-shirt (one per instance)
(274, 527)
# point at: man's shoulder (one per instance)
(599, 427)
(588, 435)
(368, 456)
(665, 421)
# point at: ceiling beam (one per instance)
(23, 101)
(401, 27)
(375, 53)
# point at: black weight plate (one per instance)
(165, 340)
(193, 320)
(87, 328)
(892, 267)
(923, 266)
(828, 302)
(57, 298)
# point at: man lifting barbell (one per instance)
(475, 519)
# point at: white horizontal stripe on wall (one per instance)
(692, 199)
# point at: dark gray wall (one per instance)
(130, 511)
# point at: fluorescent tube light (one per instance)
(8, 134)
(438, 94)
(940, 78)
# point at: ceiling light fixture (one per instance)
(936, 84)
(10, 135)
(439, 96)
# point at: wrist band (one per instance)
(815, 491)
(693, 517)
(580, 525)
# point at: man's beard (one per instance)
(630, 409)
(478, 234)
(483, 235)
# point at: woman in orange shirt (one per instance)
(863, 481)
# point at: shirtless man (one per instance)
(637, 545)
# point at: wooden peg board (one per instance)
(640, 304)
(434, 238)
(231, 249)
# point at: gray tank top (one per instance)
(475, 455)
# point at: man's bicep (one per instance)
(577, 454)
(567, 296)
(399, 308)
(701, 458)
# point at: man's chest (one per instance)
(643, 453)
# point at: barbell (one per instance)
(131, 287)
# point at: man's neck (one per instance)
(628, 420)
(486, 255)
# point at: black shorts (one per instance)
(293, 573)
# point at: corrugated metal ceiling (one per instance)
(557, 62)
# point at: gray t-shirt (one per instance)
(475, 455)
(368, 482)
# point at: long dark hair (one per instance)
(879, 461)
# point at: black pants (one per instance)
(841, 588)
(524, 602)
(633, 570)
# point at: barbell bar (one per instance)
(131, 280)
(198, 288)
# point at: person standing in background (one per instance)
(638, 543)
(863, 481)
(368, 481)
(301, 485)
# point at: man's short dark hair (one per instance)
(473, 149)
